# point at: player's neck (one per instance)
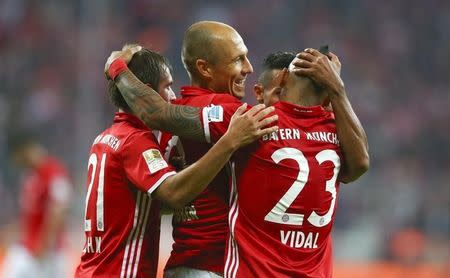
(310, 98)
(306, 95)
(37, 156)
(201, 84)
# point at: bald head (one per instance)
(202, 41)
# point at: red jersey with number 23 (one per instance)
(284, 193)
(122, 222)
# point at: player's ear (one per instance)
(284, 77)
(281, 78)
(258, 90)
(203, 68)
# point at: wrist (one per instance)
(337, 92)
(117, 67)
(229, 143)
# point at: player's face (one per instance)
(164, 88)
(269, 94)
(230, 70)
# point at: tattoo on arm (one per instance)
(155, 112)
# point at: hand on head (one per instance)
(323, 69)
(125, 54)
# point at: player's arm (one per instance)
(57, 209)
(352, 137)
(155, 112)
(244, 128)
(148, 105)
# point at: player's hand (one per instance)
(178, 162)
(246, 127)
(126, 54)
(323, 69)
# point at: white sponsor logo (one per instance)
(154, 159)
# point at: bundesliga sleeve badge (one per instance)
(154, 160)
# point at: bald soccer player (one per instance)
(215, 58)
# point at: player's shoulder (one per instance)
(53, 166)
(140, 136)
(121, 137)
(218, 99)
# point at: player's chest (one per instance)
(34, 192)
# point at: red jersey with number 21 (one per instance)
(122, 222)
(284, 194)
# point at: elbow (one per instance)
(171, 195)
(363, 165)
(176, 202)
(173, 199)
(356, 170)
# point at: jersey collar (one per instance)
(190, 91)
(302, 111)
(127, 117)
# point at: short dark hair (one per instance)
(276, 60)
(148, 66)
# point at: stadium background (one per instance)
(393, 222)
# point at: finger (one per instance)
(241, 109)
(255, 109)
(306, 56)
(133, 49)
(309, 72)
(133, 46)
(334, 58)
(331, 54)
(300, 63)
(263, 113)
(267, 121)
(313, 52)
(268, 130)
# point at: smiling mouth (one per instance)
(240, 83)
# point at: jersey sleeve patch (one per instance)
(154, 160)
(215, 113)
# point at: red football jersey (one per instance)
(47, 183)
(284, 194)
(122, 222)
(200, 229)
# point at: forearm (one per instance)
(52, 226)
(187, 184)
(155, 112)
(352, 138)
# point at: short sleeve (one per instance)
(60, 189)
(143, 162)
(216, 118)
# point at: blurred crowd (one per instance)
(396, 65)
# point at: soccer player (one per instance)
(215, 58)
(267, 89)
(128, 177)
(285, 187)
(44, 202)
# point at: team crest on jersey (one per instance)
(154, 160)
(215, 113)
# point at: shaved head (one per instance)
(201, 41)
